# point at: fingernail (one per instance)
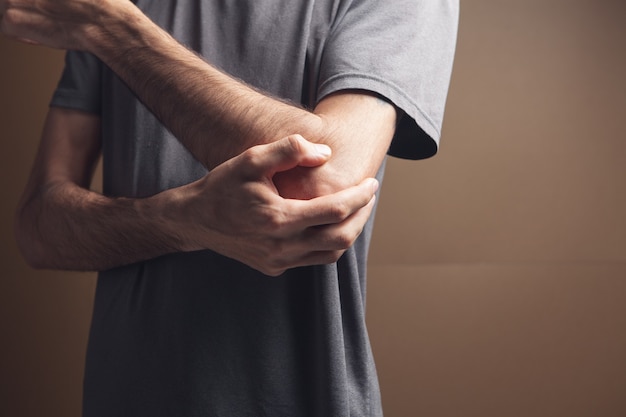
(374, 184)
(323, 150)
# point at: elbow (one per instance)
(29, 241)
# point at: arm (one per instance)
(61, 224)
(161, 71)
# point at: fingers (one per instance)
(282, 155)
(57, 24)
(339, 236)
(21, 25)
(271, 233)
(316, 246)
(332, 208)
(324, 243)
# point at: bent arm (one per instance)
(61, 224)
(234, 210)
(161, 71)
(357, 125)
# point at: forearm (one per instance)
(215, 116)
(64, 226)
(218, 117)
(233, 210)
(212, 114)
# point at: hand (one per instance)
(340, 172)
(61, 24)
(236, 210)
(305, 183)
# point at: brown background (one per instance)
(498, 268)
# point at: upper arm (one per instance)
(360, 124)
(68, 151)
(403, 50)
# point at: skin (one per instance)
(63, 225)
(283, 202)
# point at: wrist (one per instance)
(162, 213)
(116, 28)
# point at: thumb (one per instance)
(288, 153)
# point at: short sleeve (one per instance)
(80, 84)
(402, 50)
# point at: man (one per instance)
(243, 184)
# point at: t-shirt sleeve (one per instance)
(402, 50)
(80, 84)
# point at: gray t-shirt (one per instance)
(198, 334)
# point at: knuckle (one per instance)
(340, 211)
(293, 142)
(8, 18)
(251, 157)
(275, 254)
(12, 17)
(344, 240)
(272, 271)
(332, 256)
(272, 221)
(270, 258)
(290, 146)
